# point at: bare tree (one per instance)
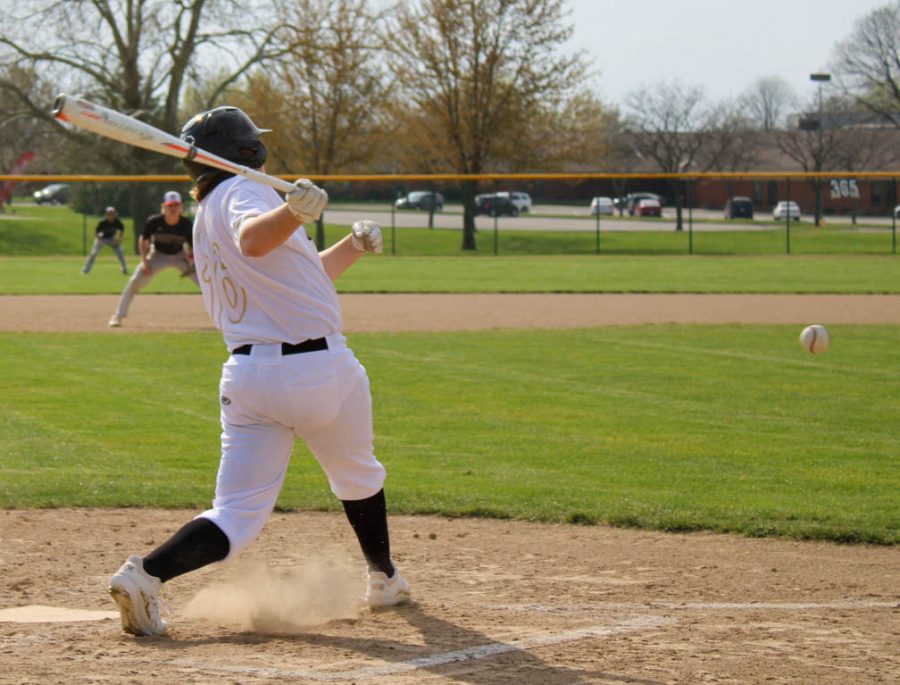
(861, 146)
(864, 149)
(325, 96)
(669, 124)
(19, 130)
(817, 144)
(136, 56)
(768, 101)
(734, 142)
(474, 73)
(617, 156)
(23, 138)
(867, 63)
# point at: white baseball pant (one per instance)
(268, 401)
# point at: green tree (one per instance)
(867, 63)
(470, 76)
(135, 56)
(324, 98)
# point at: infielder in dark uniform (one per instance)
(108, 232)
(289, 375)
(166, 241)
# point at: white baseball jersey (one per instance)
(269, 399)
(284, 296)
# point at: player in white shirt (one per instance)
(289, 375)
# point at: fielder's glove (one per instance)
(366, 237)
(306, 201)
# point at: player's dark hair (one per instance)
(206, 178)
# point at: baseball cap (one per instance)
(172, 198)
(110, 209)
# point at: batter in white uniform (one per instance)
(289, 375)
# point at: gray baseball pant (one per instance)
(158, 262)
(98, 244)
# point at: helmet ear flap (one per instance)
(255, 153)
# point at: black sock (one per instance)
(369, 520)
(198, 544)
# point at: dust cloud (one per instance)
(262, 600)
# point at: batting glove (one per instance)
(366, 237)
(306, 201)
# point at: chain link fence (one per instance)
(524, 214)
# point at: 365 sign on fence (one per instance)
(844, 188)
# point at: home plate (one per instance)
(37, 613)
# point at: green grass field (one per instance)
(45, 230)
(804, 240)
(589, 274)
(725, 428)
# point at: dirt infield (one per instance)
(465, 312)
(497, 602)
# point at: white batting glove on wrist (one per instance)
(306, 201)
(366, 237)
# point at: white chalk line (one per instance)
(849, 604)
(470, 653)
(483, 651)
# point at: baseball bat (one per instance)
(125, 129)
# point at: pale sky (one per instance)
(721, 45)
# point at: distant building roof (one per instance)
(833, 120)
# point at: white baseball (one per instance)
(815, 339)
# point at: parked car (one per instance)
(495, 204)
(54, 194)
(420, 199)
(602, 205)
(633, 199)
(783, 208)
(648, 207)
(739, 208)
(521, 200)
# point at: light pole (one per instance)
(820, 78)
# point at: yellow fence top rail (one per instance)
(711, 175)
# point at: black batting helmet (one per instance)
(227, 132)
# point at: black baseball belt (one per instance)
(290, 348)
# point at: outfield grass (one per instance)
(804, 240)
(723, 428)
(42, 254)
(47, 230)
(588, 274)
